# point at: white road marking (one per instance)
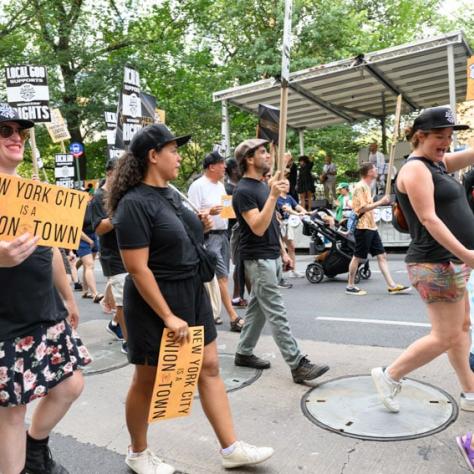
(375, 321)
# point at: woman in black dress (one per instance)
(163, 289)
(305, 182)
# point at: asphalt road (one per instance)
(395, 317)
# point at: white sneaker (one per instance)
(466, 404)
(148, 463)
(245, 455)
(387, 390)
(295, 274)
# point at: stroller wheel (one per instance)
(314, 273)
(365, 273)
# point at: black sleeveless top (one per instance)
(451, 207)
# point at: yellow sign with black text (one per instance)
(177, 375)
(54, 213)
(470, 79)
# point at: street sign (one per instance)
(77, 149)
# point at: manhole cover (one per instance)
(351, 407)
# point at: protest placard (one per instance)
(227, 209)
(53, 213)
(57, 128)
(470, 79)
(177, 375)
(28, 93)
(64, 170)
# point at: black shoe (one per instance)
(308, 371)
(77, 286)
(39, 459)
(251, 361)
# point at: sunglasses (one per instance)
(6, 132)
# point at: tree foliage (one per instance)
(185, 50)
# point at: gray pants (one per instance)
(266, 303)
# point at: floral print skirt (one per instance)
(32, 365)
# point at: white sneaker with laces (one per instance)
(466, 404)
(245, 455)
(387, 390)
(148, 463)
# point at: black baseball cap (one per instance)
(9, 114)
(211, 159)
(437, 118)
(154, 136)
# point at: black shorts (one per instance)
(187, 299)
(367, 241)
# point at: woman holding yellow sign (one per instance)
(164, 290)
(39, 350)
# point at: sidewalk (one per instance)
(268, 412)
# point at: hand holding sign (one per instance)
(17, 251)
(179, 329)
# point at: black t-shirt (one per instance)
(250, 194)
(146, 217)
(29, 297)
(87, 223)
(451, 207)
(109, 252)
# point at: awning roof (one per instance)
(351, 90)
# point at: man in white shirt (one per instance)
(206, 194)
(378, 160)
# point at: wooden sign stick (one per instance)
(34, 158)
(396, 126)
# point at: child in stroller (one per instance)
(334, 260)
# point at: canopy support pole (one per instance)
(301, 137)
(225, 130)
(452, 87)
(382, 124)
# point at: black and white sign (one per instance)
(111, 122)
(64, 170)
(27, 91)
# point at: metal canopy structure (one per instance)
(427, 73)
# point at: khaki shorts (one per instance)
(116, 285)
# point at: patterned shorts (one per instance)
(32, 365)
(439, 282)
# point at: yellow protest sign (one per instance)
(177, 374)
(227, 209)
(470, 79)
(54, 213)
(57, 128)
(160, 116)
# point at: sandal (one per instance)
(98, 298)
(237, 324)
(218, 320)
(239, 303)
(87, 295)
(464, 445)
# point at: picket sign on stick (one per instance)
(396, 132)
(285, 78)
(34, 158)
(185, 198)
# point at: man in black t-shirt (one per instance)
(110, 259)
(260, 248)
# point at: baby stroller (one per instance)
(334, 260)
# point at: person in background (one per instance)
(329, 179)
(87, 252)
(110, 259)
(377, 158)
(206, 194)
(291, 173)
(156, 235)
(290, 212)
(40, 352)
(305, 182)
(343, 201)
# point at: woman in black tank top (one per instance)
(440, 255)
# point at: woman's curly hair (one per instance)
(129, 172)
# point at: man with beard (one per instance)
(260, 248)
